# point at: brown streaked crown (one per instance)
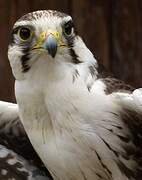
(41, 13)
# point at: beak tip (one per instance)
(51, 45)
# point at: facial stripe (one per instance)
(24, 60)
(70, 42)
(74, 56)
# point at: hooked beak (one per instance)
(51, 45)
(49, 42)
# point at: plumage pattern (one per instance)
(83, 123)
(18, 160)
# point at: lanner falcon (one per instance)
(83, 123)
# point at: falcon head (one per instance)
(44, 35)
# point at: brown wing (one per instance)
(14, 140)
(13, 166)
(112, 84)
(115, 85)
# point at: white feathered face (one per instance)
(42, 33)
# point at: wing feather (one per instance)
(14, 141)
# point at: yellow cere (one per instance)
(41, 40)
(45, 34)
(58, 38)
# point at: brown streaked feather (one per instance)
(115, 85)
(43, 13)
(133, 150)
(112, 84)
(14, 138)
(13, 166)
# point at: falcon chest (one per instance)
(59, 123)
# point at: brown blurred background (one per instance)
(112, 29)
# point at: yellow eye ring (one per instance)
(24, 33)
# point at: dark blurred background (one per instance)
(112, 29)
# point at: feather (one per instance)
(16, 148)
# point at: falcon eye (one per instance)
(68, 28)
(24, 33)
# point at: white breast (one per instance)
(64, 122)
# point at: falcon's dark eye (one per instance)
(68, 28)
(24, 33)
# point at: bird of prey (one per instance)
(83, 123)
(18, 160)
